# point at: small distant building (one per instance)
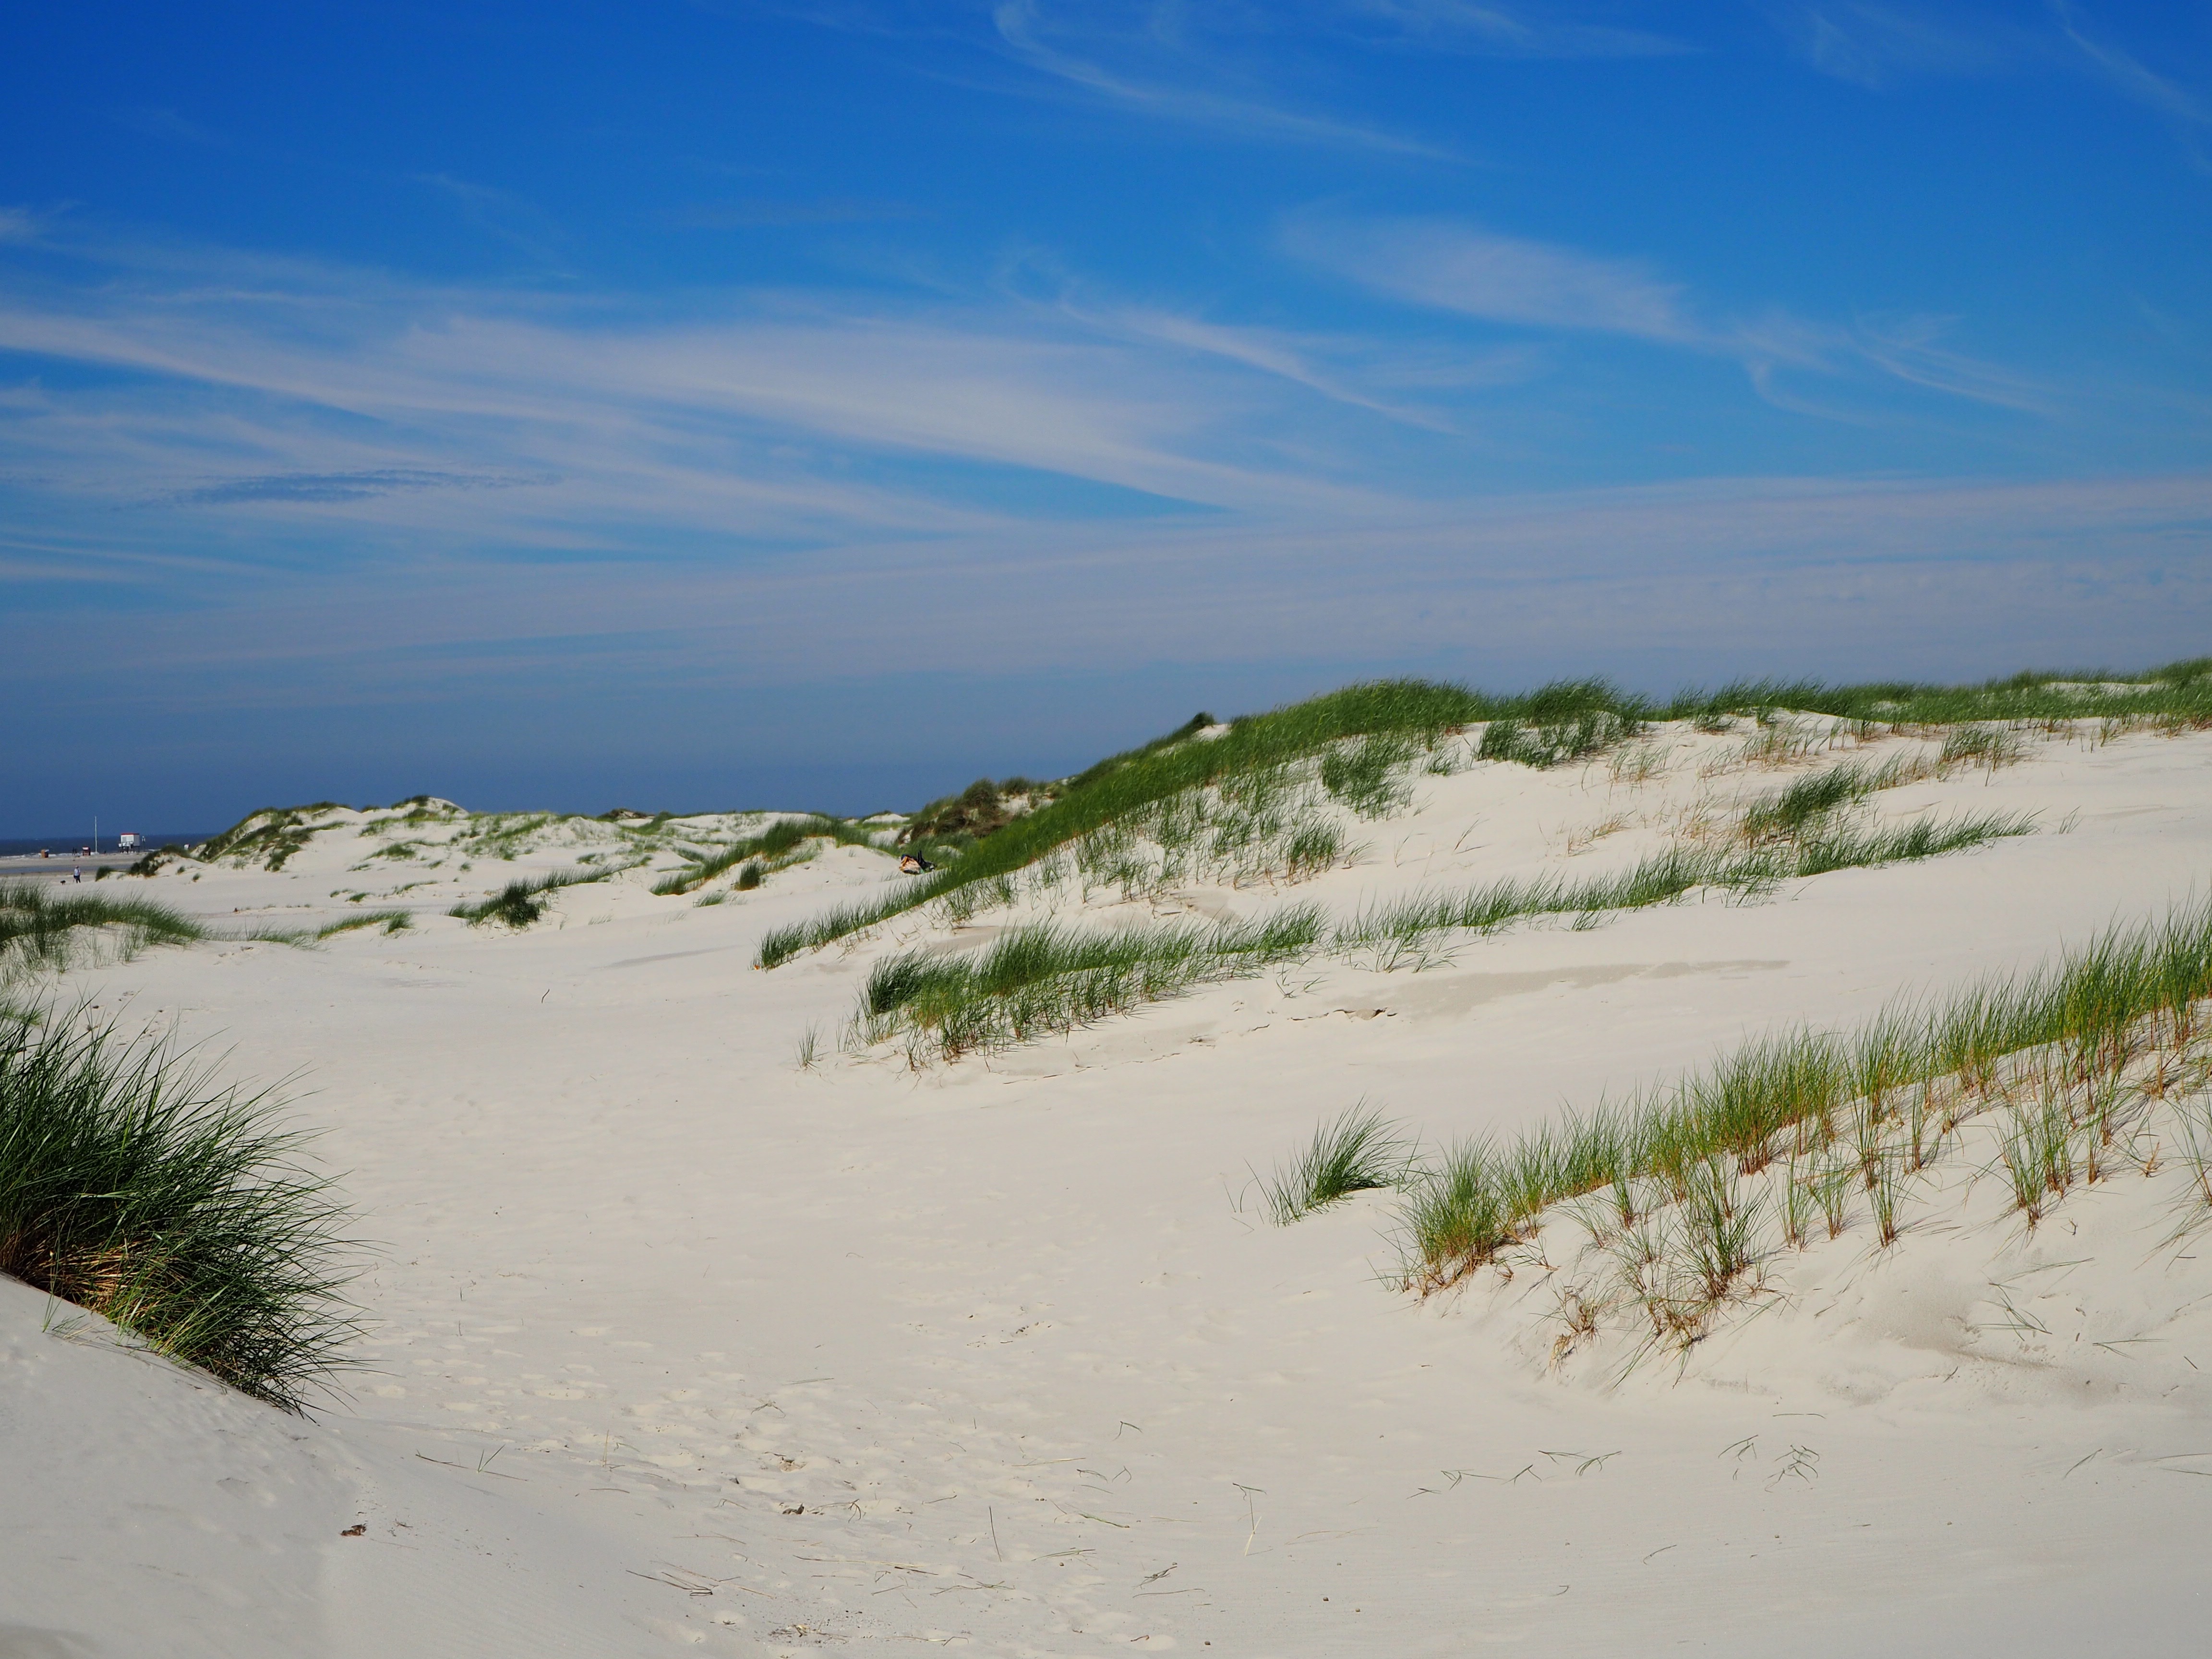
(125, 842)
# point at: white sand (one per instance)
(675, 1345)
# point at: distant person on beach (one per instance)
(913, 864)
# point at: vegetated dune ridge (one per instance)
(673, 1340)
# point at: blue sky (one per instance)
(721, 403)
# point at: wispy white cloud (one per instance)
(272, 392)
(1912, 348)
(1825, 575)
(1358, 372)
(1877, 46)
(1256, 73)
(357, 486)
(1028, 32)
(1498, 31)
(502, 215)
(769, 213)
(2185, 113)
(1454, 267)
(289, 464)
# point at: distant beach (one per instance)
(33, 845)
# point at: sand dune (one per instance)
(674, 1343)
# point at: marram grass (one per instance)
(43, 933)
(523, 901)
(1359, 1151)
(1555, 724)
(1790, 812)
(1047, 978)
(1858, 1109)
(1123, 784)
(394, 921)
(771, 845)
(39, 931)
(132, 1185)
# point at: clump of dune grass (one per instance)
(1312, 847)
(1549, 726)
(500, 834)
(524, 900)
(1182, 761)
(2177, 689)
(779, 838)
(2070, 1055)
(1273, 823)
(395, 921)
(153, 860)
(954, 823)
(1359, 1151)
(1269, 823)
(768, 851)
(269, 836)
(1865, 849)
(134, 1186)
(1793, 810)
(41, 931)
(1365, 775)
(1636, 763)
(1046, 978)
(1568, 721)
(1984, 745)
(1397, 933)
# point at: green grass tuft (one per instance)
(1122, 784)
(1986, 745)
(1554, 743)
(131, 1186)
(766, 852)
(523, 901)
(1883, 1096)
(391, 921)
(1791, 811)
(1555, 724)
(39, 931)
(1365, 774)
(269, 836)
(1358, 1151)
(1045, 979)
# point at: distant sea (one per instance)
(59, 844)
